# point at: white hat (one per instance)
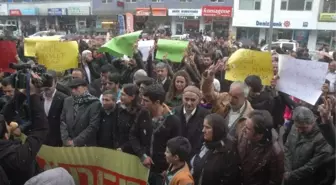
(216, 85)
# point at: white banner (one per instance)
(184, 12)
(302, 79)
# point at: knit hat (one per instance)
(193, 89)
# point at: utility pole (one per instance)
(270, 30)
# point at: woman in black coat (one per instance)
(218, 161)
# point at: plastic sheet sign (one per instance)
(30, 44)
(94, 165)
(57, 55)
(244, 62)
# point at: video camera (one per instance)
(21, 77)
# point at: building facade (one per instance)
(32, 16)
(310, 22)
(180, 16)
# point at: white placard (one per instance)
(302, 79)
(144, 46)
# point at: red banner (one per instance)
(7, 55)
(217, 11)
(129, 23)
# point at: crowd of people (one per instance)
(184, 121)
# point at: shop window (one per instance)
(249, 4)
(130, 1)
(156, 1)
(216, 1)
(326, 38)
(107, 1)
(296, 5)
(185, 1)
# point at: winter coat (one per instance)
(303, 155)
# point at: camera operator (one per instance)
(17, 159)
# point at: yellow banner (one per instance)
(30, 43)
(245, 62)
(94, 165)
(57, 55)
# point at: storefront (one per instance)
(185, 20)
(256, 29)
(25, 18)
(158, 18)
(217, 19)
(326, 33)
(68, 17)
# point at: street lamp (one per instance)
(270, 30)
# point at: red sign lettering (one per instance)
(217, 11)
(15, 12)
(93, 175)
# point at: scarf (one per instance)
(83, 99)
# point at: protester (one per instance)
(218, 160)
(53, 101)
(177, 153)
(80, 116)
(166, 126)
(17, 160)
(159, 109)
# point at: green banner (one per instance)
(121, 45)
(327, 17)
(173, 48)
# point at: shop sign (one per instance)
(23, 11)
(217, 11)
(83, 10)
(155, 11)
(184, 12)
(267, 24)
(56, 11)
(3, 9)
(327, 17)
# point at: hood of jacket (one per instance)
(56, 176)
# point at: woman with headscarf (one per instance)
(218, 161)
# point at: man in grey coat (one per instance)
(80, 116)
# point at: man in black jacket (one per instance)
(17, 160)
(165, 126)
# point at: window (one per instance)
(107, 1)
(296, 5)
(283, 5)
(273, 46)
(249, 4)
(130, 1)
(329, 6)
(185, 1)
(156, 1)
(288, 46)
(216, 1)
